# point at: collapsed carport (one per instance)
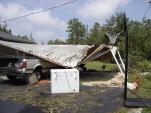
(67, 56)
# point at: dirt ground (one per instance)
(102, 79)
(99, 93)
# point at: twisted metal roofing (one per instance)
(63, 55)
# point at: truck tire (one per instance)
(38, 73)
(11, 78)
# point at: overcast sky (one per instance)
(53, 24)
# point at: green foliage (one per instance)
(139, 35)
(25, 37)
(56, 42)
(98, 66)
(96, 35)
(139, 47)
(123, 110)
(144, 66)
(146, 110)
(144, 81)
(76, 31)
(5, 29)
(115, 24)
(134, 58)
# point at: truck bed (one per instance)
(5, 61)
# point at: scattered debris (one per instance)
(114, 80)
(145, 73)
(42, 82)
(3, 77)
(135, 110)
(91, 99)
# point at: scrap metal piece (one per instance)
(113, 37)
(98, 54)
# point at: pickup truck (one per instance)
(14, 66)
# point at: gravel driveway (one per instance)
(91, 99)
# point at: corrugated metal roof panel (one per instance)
(63, 55)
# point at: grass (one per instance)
(145, 84)
(123, 110)
(101, 66)
(144, 66)
(145, 80)
(56, 105)
(144, 88)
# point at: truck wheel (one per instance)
(38, 74)
(11, 78)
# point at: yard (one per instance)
(101, 91)
(98, 93)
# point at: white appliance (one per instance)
(64, 80)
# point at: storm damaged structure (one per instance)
(52, 56)
(68, 56)
(63, 55)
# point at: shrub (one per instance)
(144, 66)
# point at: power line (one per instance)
(54, 7)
